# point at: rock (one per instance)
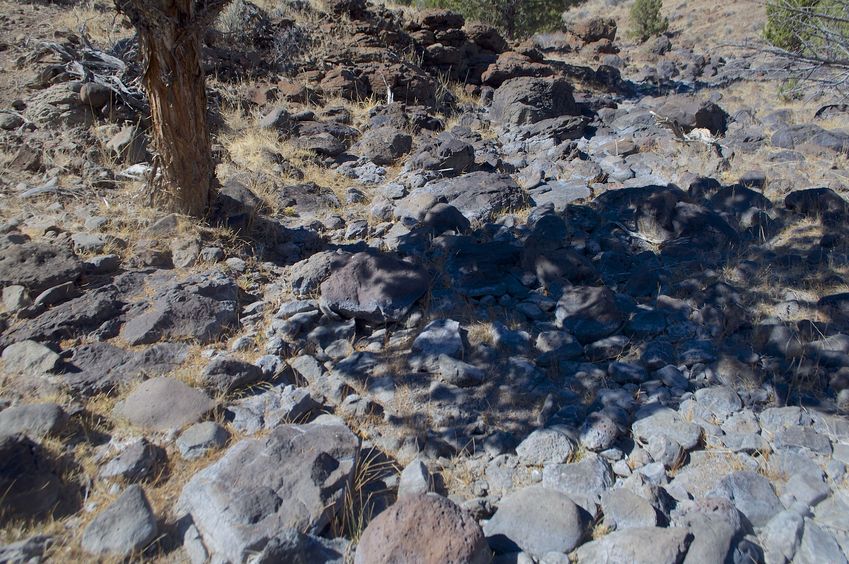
(545, 446)
(752, 494)
(201, 438)
(199, 308)
(163, 404)
(270, 408)
(599, 431)
(225, 374)
(802, 438)
(243, 500)
(458, 373)
(720, 401)
(29, 358)
(818, 545)
(125, 527)
(384, 145)
(439, 337)
(594, 29)
(95, 95)
(589, 313)
(781, 536)
(624, 509)
(527, 100)
(129, 145)
(479, 196)
(29, 550)
(36, 266)
(376, 288)
(101, 367)
(817, 202)
(649, 545)
(584, 482)
(35, 421)
(653, 420)
(536, 520)
(485, 36)
(810, 135)
(10, 121)
(716, 526)
(691, 113)
(406, 531)
(445, 217)
(299, 548)
(15, 298)
(415, 479)
(31, 488)
(140, 460)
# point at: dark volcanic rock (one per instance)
(528, 100)
(373, 287)
(38, 266)
(29, 485)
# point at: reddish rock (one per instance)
(426, 529)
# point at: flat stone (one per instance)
(752, 494)
(624, 509)
(545, 446)
(225, 374)
(654, 420)
(584, 482)
(643, 545)
(163, 404)
(245, 499)
(201, 438)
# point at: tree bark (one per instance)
(169, 34)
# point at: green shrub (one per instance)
(514, 18)
(786, 22)
(646, 20)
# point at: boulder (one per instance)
(225, 374)
(35, 420)
(293, 478)
(536, 520)
(29, 358)
(589, 313)
(384, 145)
(373, 287)
(409, 529)
(525, 100)
(691, 113)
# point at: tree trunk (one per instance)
(169, 33)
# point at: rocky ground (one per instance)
(570, 299)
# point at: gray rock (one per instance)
(666, 451)
(103, 368)
(269, 409)
(294, 547)
(536, 520)
(589, 313)
(163, 404)
(225, 374)
(29, 358)
(774, 419)
(15, 298)
(525, 100)
(199, 309)
(140, 460)
(377, 288)
(802, 438)
(818, 545)
(415, 479)
(384, 145)
(715, 524)
(480, 196)
(307, 275)
(584, 482)
(125, 527)
(781, 537)
(624, 509)
(654, 420)
(459, 373)
(36, 266)
(721, 401)
(439, 337)
(27, 551)
(244, 500)
(752, 494)
(35, 420)
(649, 545)
(545, 446)
(201, 438)
(599, 431)
(805, 489)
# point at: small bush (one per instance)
(646, 20)
(784, 22)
